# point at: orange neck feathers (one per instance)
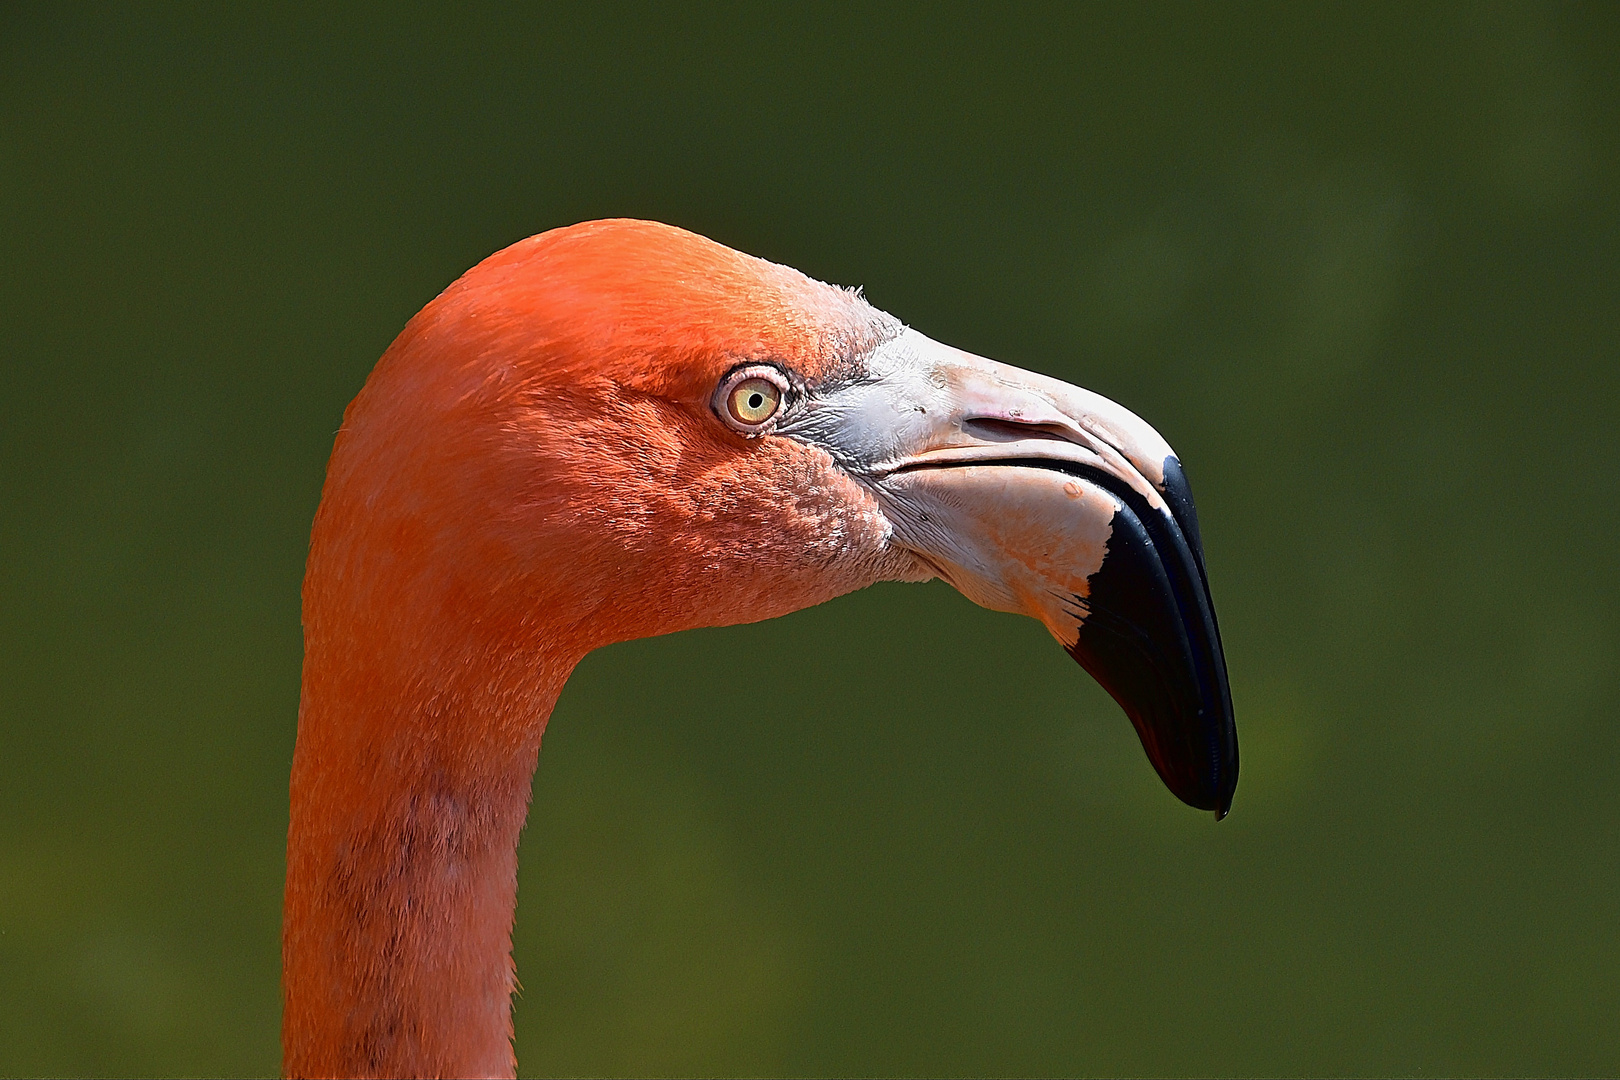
(525, 477)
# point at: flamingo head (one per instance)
(636, 430)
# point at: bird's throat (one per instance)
(406, 806)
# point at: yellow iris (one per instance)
(754, 401)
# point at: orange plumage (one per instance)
(528, 474)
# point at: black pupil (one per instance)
(756, 399)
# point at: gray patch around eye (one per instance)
(849, 352)
(864, 420)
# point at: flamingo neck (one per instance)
(407, 800)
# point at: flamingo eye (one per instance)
(754, 401)
(750, 399)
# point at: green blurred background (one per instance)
(1359, 264)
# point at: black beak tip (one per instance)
(1196, 757)
(1223, 775)
(1149, 637)
(1216, 692)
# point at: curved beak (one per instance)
(1030, 495)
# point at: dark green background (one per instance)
(1360, 266)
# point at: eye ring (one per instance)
(750, 399)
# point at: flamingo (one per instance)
(620, 429)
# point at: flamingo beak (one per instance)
(1033, 496)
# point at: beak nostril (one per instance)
(999, 429)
